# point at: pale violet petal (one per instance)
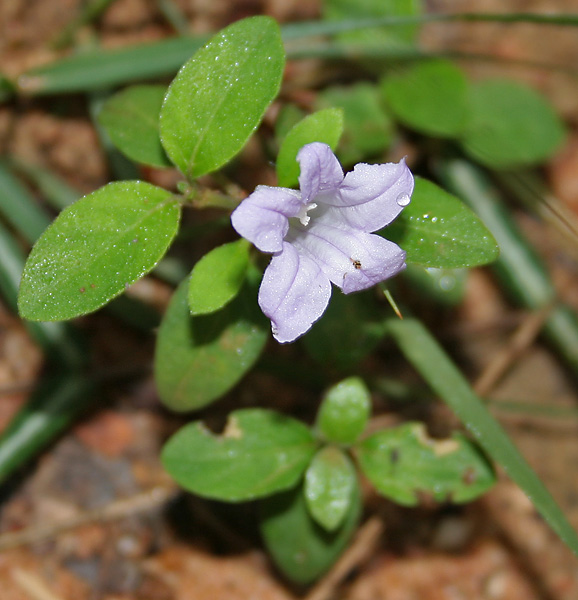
(320, 170)
(370, 197)
(262, 218)
(294, 293)
(353, 260)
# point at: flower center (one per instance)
(302, 215)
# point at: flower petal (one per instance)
(294, 293)
(320, 170)
(262, 217)
(370, 197)
(353, 260)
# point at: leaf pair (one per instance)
(499, 123)
(212, 106)
(263, 454)
(112, 237)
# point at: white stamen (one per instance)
(302, 214)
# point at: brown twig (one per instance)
(549, 560)
(32, 585)
(140, 503)
(520, 341)
(362, 547)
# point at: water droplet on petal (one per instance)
(403, 199)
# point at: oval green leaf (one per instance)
(302, 549)
(131, 120)
(438, 230)
(404, 463)
(344, 411)
(323, 126)
(96, 248)
(198, 359)
(289, 115)
(220, 95)
(217, 278)
(430, 97)
(510, 125)
(367, 128)
(329, 484)
(446, 287)
(259, 452)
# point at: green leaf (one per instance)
(289, 115)
(344, 411)
(96, 248)
(438, 230)
(259, 452)
(404, 462)
(329, 484)
(323, 126)
(367, 128)
(301, 548)
(339, 10)
(198, 359)
(350, 329)
(510, 125)
(131, 120)
(427, 356)
(217, 278)
(220, 95)
(430, 97)
(443, 286)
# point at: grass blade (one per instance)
(429, 358)
(19, 208)
(519, 268)
(51, 409)
(108, 68)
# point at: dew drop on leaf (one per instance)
(403, 199)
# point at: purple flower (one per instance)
(322, 235)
